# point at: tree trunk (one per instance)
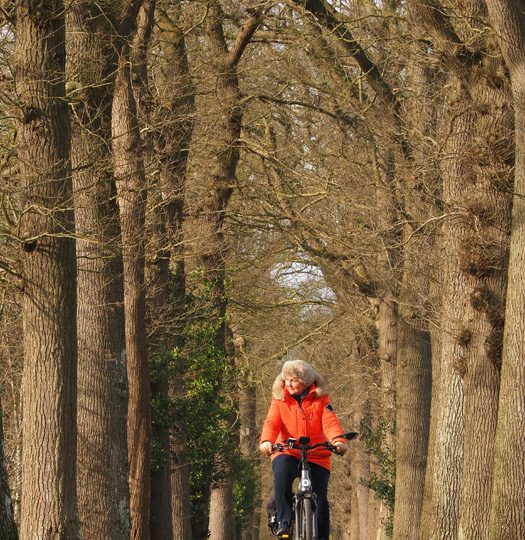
(360, 459)
(487, 289)
(8, 530)
(386, 321)
(448, 460)
(176, 103)
(248, 433)
(435, 295)
(157, 282)
(212, 213)
(412, 417)
(102, 393)
(221, 503)
(508, 505)
(476, 175)
(414, 370)
(131, 189)
(179, 479)
(49, 275)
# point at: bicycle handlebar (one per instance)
(302, 443)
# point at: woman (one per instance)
(301, 408)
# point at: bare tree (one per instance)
(49, 505)
(175, 118)
(8, 528)
(477, 172)
(102, 449)
(508, 511)
(131, 193)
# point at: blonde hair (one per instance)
(299, 369)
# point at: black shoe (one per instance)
(283, 530)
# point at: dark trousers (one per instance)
(285, 470)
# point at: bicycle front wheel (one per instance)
(305, 521)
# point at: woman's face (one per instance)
(294, 385)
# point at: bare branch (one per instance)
(244, 37)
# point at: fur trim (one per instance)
(319, 381)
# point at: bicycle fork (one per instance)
(305, 491)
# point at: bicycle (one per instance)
(304, 508)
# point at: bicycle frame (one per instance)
(304, 490)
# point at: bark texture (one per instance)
(508, 506)
(102, 392)
(49, 275)
(157, 279)
(248, 433)
(414, 370)
(8, 530)
(176, 100)
(220, 522)
(448, 460)
(131, 190)
(478, 149)
(412, 422)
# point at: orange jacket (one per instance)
(315, 418)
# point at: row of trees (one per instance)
(191, 191)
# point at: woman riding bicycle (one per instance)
(301, 408)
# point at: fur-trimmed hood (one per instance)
(319, 382)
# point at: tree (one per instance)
(131, 195)
(174, 119)
(8, 528)
(49, 274)
(507, 509)
(216, 192)
(477, 172)
(102, 390)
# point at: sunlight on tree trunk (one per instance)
(49, 503)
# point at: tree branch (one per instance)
(443, 36)
(244, 37)
(325, 15)
(290, 102)
(328, 18)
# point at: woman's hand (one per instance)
(340, 447)
(266, 447)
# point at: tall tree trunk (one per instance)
(359, 465)
(49, 275)
(157, 282)
(169, 113)
(211, 258)
(175, 127)
(414, 370)
(102, 393)
(8, 530)
(413, 387)
(508, 505)
(221, 503)
(435, 288)
(476, 184)
(131, 188)
(248, 434)
(448, 460)
(488, 210)
(386, 321)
